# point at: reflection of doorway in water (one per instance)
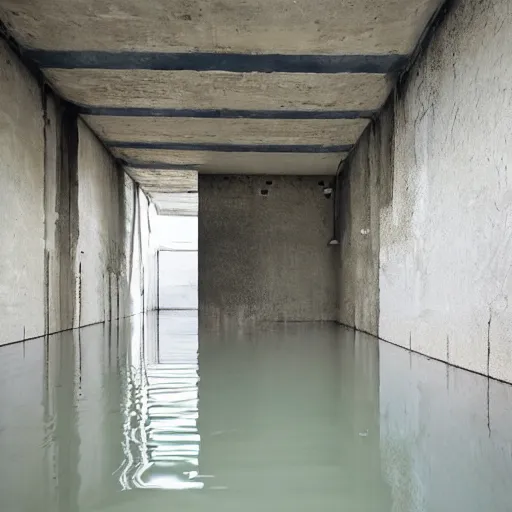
(163, 417)
(172, 438)
(161, 436)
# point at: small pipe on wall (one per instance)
(335, 217)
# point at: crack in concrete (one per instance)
(488, 372)
(46, 253)
(79, 294)
(489, 343)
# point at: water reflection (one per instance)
(164, 415)
(446, 436)
(289, 419)
(297, 417)
(161, 441)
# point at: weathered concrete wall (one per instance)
(103, 239)
(362, 189)
(21, 203)
(444, 226)
(75, 228)
(265, 257)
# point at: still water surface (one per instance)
(143, 417)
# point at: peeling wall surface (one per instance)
(76, 247)
(265, 257)
(444, 200)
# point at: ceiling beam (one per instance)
(225, 113)
(231, 62)
(232, 148)
(164, 166)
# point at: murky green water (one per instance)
(297, 418)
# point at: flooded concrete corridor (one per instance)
(197, 196)
(297, 417)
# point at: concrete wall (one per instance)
(74, 228)
(21, 203)
(362, 190)
(436, 196)
(265, 257)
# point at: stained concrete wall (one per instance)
(265, 257)
(436, 197)
(363, 188)
(21, 203)
(76, 246)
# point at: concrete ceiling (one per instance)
(222, 86)
(174, 192)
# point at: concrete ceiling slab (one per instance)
(228, 131)
(187, 64)
(163, 180)
(246, 26)
(236, 163)
(221, 90)
(172, 192)
(175, 203)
